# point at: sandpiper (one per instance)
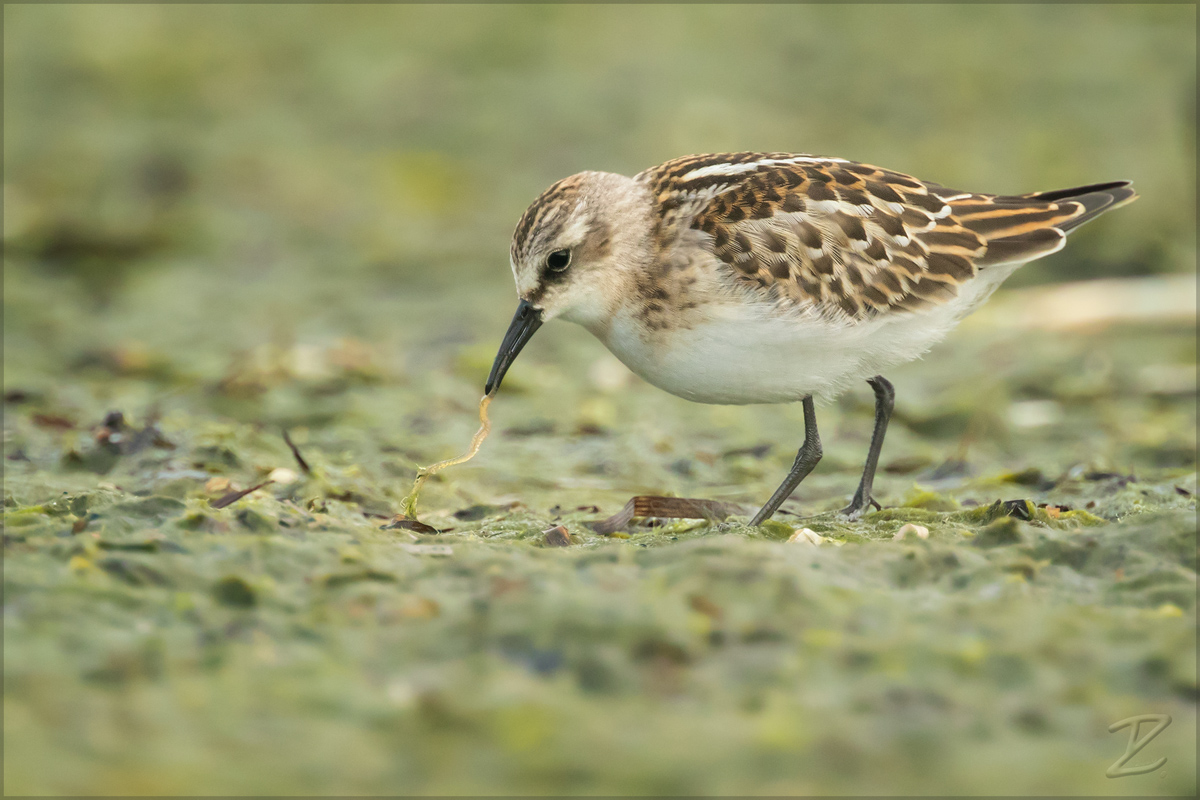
(772, 278)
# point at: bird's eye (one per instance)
(558, 260)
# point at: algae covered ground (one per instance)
(228, 224)
(292, 643)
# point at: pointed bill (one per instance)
(524, 323)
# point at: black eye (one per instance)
(558, 260)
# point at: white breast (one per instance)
(752, 353)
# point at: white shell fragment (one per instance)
(807, 536)
(283, 475)
(920, 530)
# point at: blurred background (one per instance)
(372, 151)
(262, 215)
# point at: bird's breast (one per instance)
(734, 355)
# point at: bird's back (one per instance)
(854, 240)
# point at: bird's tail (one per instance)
(1023, 227)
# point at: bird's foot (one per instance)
(857, 508)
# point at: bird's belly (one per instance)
(738, 360)
(745, 356)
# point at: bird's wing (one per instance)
(853, 239)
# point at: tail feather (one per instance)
(1078, 191)
(1095, 199)
(1021, 228)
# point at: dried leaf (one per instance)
(401, 522)
(664, 507)
(557, 537)
(1019, 509)
(54, 421)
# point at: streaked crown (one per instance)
(575, 241)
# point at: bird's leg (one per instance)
(885, 399)
(806, 459)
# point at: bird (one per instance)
(745, 278)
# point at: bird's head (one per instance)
(573, 256)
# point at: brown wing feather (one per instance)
(849, 238)
(852, 238)
(1024, 227)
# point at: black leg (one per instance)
(806, 459)
(885, 399)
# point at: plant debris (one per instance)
(296, 453)
(1018, 509)
(664, 508)
(557, 537)
(807, 536)
(53, 421)
(232, 497)
(401, 522)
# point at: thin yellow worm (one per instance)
(485, 427)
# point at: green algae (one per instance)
(295, 608)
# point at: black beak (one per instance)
(527, 320)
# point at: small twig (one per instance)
(296, 452)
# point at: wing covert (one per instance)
(854, 239)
